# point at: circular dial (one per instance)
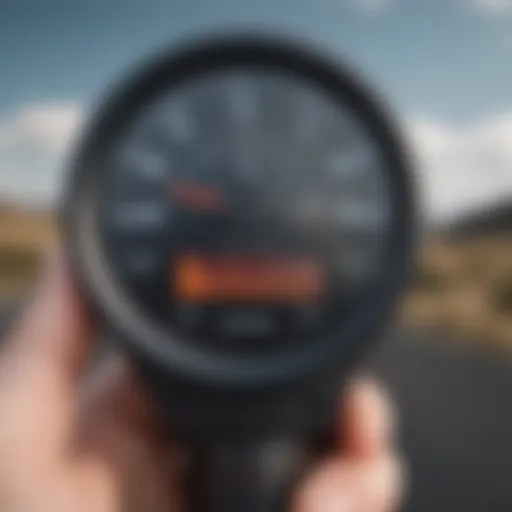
(245, 207)
(240, 213)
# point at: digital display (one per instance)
(206, 278)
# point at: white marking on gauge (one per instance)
(246, 140)
(242, 100)
(140, 263)
(360, 214)
(181, 123)
(247, 322)
(248, 154)
(138, 215)
(350, 163)
(308, 110)
(314, 117)
(145, 163)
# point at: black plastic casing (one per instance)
(228, 406)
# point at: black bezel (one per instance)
(167, 350)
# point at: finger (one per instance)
(42, 363)
(115, 396)
(98, 488)
(343, 486)
(368, 421)
(121, 425)
(54, 333)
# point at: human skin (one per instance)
(71, 441)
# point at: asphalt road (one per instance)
(456, 421)
(456, 415)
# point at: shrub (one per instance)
(429, 279)
(18, 263)
(502, 296)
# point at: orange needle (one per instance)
(197, 197)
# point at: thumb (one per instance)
(44, 357)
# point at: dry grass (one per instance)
(24, 237)
(465, 287)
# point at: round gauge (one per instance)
(240, 212)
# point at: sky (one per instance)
(445, 67)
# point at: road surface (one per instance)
(456, 408)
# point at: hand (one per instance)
(97, 444)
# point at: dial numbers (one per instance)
(138, 215)
(247, 162)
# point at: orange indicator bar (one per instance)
(219, 278)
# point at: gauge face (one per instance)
(252, 203)
(246, 206)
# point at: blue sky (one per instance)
(445, 65)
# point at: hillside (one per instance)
(24, 235)
(464, 287)
(22, 228)
(464, 283)
(493, 220)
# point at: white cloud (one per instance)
(463, 167)
(33, 144)
(495, 7)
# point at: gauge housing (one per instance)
(168, 351)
